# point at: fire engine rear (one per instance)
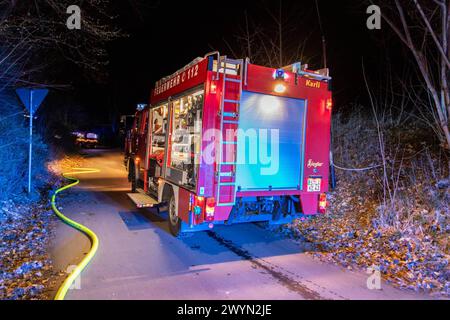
(225, 141)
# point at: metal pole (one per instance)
(31, 141)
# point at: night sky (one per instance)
(163, 36)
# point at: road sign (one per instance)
(32, 99)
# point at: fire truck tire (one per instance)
(174, 220)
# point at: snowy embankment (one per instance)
(26, 229)
(24, 218)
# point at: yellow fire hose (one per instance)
(93, 237)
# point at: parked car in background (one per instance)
(86, 140)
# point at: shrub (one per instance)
(14, 144)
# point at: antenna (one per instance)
(324, 42)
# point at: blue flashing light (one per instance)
(141, 106)
(280, 74)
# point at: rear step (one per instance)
(142, 200)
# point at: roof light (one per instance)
(141, 106)
(279, 88)
(280, 74)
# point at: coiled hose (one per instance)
(92, 236)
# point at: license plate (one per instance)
(314, 184)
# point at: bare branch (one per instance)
(433, 34)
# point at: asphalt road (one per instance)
(139, 259)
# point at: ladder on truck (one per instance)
(232, 70)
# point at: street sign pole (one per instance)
(31, 141)
(31, 99)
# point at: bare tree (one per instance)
(37, 49)
(280, 42)
(424, 28)
(35, 35)
(271, 39)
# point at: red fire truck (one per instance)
(225, 141)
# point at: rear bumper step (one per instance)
(142, 200)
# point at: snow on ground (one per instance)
(26, 228)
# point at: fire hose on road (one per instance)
(93, 237)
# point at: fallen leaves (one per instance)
(65, 163)
(25, 266)
(413, 258)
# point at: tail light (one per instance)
(202, 205)
(213, 88)
(199, 203)
(322, 203)
(209, 209)
(329, 104)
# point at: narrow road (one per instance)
(139, 259)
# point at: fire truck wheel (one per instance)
(174, 221)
